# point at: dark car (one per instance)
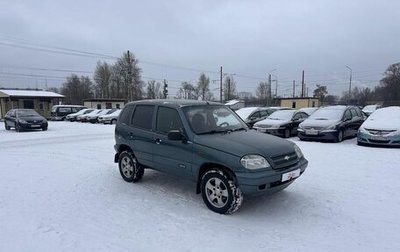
(251, 115)
(59, 112)
(21, 119)
(282, 123)
(207, 143)
(332, 123)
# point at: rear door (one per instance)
(171, 156)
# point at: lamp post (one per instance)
(269, 86)
(351, 74)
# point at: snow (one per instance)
(61, 191)
(384, 119)
(30, 93)
(244, 113)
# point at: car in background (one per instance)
(83, 118)
(21, 119)
(59, 112)
(369, 109)
(72, 117)
(110, 118)
(207, 143)
(382, 128)
(332, 123)
(94, 118)
(251, 115)
(282, 123)
(309, 110)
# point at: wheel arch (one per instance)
(209, 166)
(122, 148)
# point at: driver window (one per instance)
(296, 117)
(347, 114)
(168, 119)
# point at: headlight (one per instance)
(275, 126)
(362, 130)
(22, 121)
(298, 151)
(332, 127)
(253, 162)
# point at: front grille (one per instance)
(312, 128)
(379, 141)
(379, 132)
(284, 161)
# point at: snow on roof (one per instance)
(30, 93)
(232, 102)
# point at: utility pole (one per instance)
(165, 91)
(294, 88)
(269, 89)
(351, 73)
(302, 85)
(220, 84)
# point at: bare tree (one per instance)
(262, 91)
(187, 91)
(76, 89)
(203, 86)
(102, 78)
(153, 90)
(229, 88)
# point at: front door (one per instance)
(171, 156)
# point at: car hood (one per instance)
(240, 143)
(271, 122)
(31, 118)
(393, 124)
(318, 123)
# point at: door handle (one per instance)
(158, 141)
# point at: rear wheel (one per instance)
(6, 126)
(113, 121)
(286, 134)
(220, 193)
(129, 167)
(339, 136)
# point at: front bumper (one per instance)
(264, 182)
(33, 125)
(322, 135)
(368, 139)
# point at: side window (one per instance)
(304, 115)
(264, 113)
(168, 119)
(143, 116)
(347, 114)
(255, 115)
(126, 115)
(297, 117)
(353, 112)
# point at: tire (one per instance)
(17, 127)
(129, 167)
(44, 128)
(339, 136)
(113, 121)
(286, 133)
(6, 126)
(220, 193)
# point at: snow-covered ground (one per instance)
(61, 191)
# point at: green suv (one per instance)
(207, 143)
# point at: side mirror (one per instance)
(175, 135)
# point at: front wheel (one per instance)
(6, 126)
(17, 127)
(129, 167)
(220, 193)
(286, 133)
(339, 136)
(113, 121)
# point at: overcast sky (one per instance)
(176, 40)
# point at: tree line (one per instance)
(123, 80)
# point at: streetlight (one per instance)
(351, 74)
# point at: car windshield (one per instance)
(244, 113)
(327, 114)
(282, 115)
(27, 112)
(209, 119)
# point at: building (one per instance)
(104, 103)
(300, 102)
(41, 101)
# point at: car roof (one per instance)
(174, 103)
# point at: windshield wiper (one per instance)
(214, 132)
(321, 118)
(239, 129)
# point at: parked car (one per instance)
(308, 110)
(21, 119)
(83, 118)
(94, 118)
(59, 112)
(332, 123)
(72, 117)
(281, 123)
(251, 115)
(381, 128)
(207, 143)
(369, 109)
(110, 118)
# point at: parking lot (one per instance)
(61, 191)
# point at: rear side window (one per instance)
(353, 112)
(168, 119)
(126, 115)
(143, 116)
(347, 114)
(264, 113)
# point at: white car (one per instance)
(369, 109)
(381, 128)
(94, 118)
(83, 118)
(110, 118)
(72, 117)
